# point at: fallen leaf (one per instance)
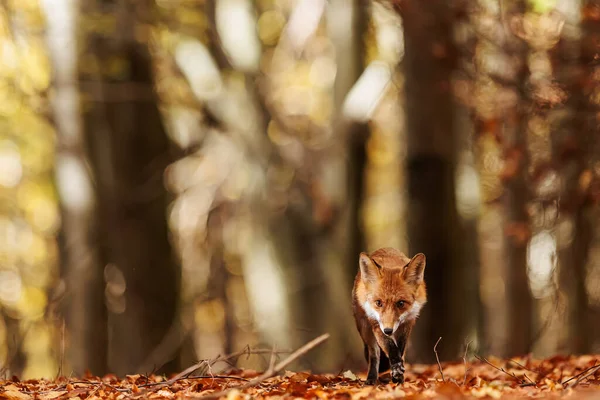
(15, 395)
(234, 395)
(52, 395)
(485, 391)
(299, 377)
(349, 375)
(162, 393)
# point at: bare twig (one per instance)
(438, 359)
(530, 381)
(521, 381)
(232, 377)
(583, 375)
(209, 363)
(186, 372)
(116, 389)
(273, 370)
(465, 362)
(525, 368)
(272, 360)
(522, 366)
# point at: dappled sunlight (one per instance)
(29, 211)
(541, 263)
(192, 182)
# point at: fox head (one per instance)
(394, 287)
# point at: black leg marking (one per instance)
(395, 353)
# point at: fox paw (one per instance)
(371, 381)
(397, 373)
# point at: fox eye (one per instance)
(400, 304)
(378, 303)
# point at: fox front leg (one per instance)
(394, 350)
(396, 361)
(374, 353)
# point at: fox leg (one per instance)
(373, 373)
(397, 360)
(384, 361)
(394, 355)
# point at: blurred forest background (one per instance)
(180, 179)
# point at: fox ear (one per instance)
(415, 269)
(368, 269)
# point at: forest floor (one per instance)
(557, 377)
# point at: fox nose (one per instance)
(388, 331)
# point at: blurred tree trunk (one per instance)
(469, 196)
(129, 150)
(500, 111)
(429, 61)
(351, 136)
(574, 146)
(350, 58)
(84, 310)
(517, 227)
(586, 333)
(317, 236)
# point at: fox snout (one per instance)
(388, 320)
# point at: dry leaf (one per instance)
(15, 395)
(52, 395)
(483, 380)
(349, 375)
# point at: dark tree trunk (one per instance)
(129, 150)
(355, 135)
(575, 152)
(517, 284)
(586, 333)
(433, 228)
(512, 134)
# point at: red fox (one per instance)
(389, 292)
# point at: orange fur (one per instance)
(389, 292)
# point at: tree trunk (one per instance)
(429, 61)
(575, 150)
(84, 311)
(129, 150)
(517, 227)
(500, 111)
(318, 236)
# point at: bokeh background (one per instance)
(181, 179)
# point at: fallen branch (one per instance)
(522, 366)
(273, 369)
(215, 376)
(438, 359)
(207, 364)
(580, 377)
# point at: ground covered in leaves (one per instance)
(573, 377)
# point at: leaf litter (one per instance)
(491, 378)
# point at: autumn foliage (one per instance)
(575, 377)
